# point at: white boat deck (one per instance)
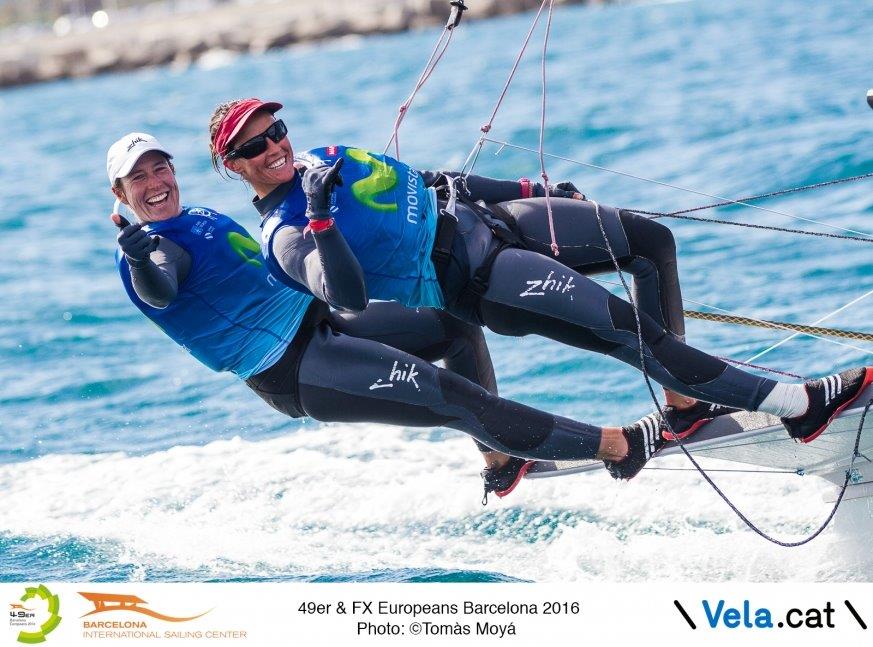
(760, 439)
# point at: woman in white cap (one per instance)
(199, 276)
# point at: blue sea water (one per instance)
(122, 459)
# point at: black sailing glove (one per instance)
(134, 242)
(559, 190)
(318, 183)
(566, 190)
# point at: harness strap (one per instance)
(493, 217)
(447, 225)
(477, 286)
(442, 244)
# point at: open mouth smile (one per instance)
(158, 199)
(277, 164)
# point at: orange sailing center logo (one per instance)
(105, 602)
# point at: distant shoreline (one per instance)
(181, 39)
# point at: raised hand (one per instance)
(318, 183)
(134, 242)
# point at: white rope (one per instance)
(486, 128)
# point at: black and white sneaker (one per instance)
(828, 396)
(684, 422)
(644, 440)
(503, 480)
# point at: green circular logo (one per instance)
(54, 606)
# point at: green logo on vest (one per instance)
(246, 246)
(382, 178)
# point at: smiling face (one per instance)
(150, 188)
(269, 169)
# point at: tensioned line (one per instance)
(729, 312)
(815, 323)
(505, 144)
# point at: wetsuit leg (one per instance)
(531, 293)
(427, 333)
(343, 378)
(643, 247)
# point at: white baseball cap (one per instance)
(124, 153)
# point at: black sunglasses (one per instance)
(258, 144)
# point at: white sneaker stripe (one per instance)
(826, 382)
(839, 382)
(647, 435)
(652, 441)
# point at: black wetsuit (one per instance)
(332, 376)
(531, 292)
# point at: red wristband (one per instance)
(321, 225)
(526, 187)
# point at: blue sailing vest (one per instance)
(387, 216)
(230, 313)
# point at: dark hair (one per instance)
(215, 120)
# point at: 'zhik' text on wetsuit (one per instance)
(209, 289)
(387, 214)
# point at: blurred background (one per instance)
(44, 40)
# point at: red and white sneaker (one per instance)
(828, 396)
(503, 480)
(684, 422)
(644, 440)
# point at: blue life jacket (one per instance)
(230, 313)
(386, 214)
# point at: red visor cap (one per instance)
(236, 119)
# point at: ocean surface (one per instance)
(122, 459)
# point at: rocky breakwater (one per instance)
(154, 39)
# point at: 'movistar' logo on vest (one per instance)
(246, 246)
(382, 178)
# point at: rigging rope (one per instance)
(457, 12)
(778, 325)
(787, 230)
(761, 368)
(543, 173)
(761, 196)
(815, 323)
(470, 162)
(681, 445)
(765, 368)
(505, 144)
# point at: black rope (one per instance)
(655, 215)
(681, 214)
(761, 196)
(685, 451)
(761, 368)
